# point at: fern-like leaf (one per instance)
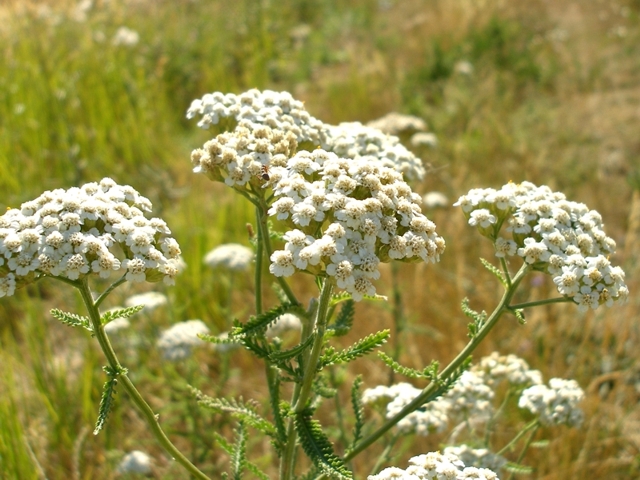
(71, 319)
(318, 447)
(229, 449)
(258, 324)
(239, 454)
(122, 313)
(400, 369)
(344, 321)
(244, 412)
(360, 348)
(107, 400)
(495, 270)
(358, 410)
(519, 313)
(291, 353)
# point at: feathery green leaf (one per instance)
(360, 348)
(71, 319)
(122, 313)
(344, 320)
(496, 271)
(108, 393)
(318, 447)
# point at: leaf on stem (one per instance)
(496, 272)
(400, 369)
(257, 325)
(359, 349)
(123, 313)
(358, 410)
(318, 447)
(344, 320)
(478, 318)
(244, 412)
(71, 319)
(108, 394)
(517, 468)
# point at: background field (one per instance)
(545, 91)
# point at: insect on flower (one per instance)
(265, 173)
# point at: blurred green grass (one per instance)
(550, 92)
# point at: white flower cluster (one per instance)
(435, 466)
(562, 238)
(347, 217)
(177, 342)
(231, 256)
(394, 123)
(556, 404)
(477, 457)
(285, 322)
(149, 300)
(470, 396)
(277, 110)
(431, 418)
(77, 232)
(495, 367)
(355, 140)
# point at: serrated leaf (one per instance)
(229, 449)
(291, 353)
(396, 367)
(540, 444)
(244, 412)
(107, 400)
(258, 324)
(122, 313)
(344, 320)
(71, 319)
(318, 447)
(238, 456)
(517, 468)
(340, 297)
(360, 348)
(519, 313)
(495, 270)
(358, 411)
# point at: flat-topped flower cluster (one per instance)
(280, 111)
(435, 465)
(83, 231)
(339, 189)
(552, 234)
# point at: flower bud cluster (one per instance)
(556, 236)
(435, 465)
(347, 215)
(78, 232)
(556, 404)
(495, 368)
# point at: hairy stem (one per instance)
(143, 406)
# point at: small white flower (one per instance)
(126, 37)
(177, 342)
(556, 404)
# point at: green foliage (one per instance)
(519, 313)
(358, 411)
(359, 349)
(478, 318)
(244, 412)
(518, 469)
(123, 313)
(344, 320)
(407, 371)
(238, 454)
(71, 319)
(318, 447)
(108, 394)
(257, 325)
(496, 271)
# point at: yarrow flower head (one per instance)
(495, 368)
(149, 300)
(135, 461)
(177, 342)
(231, 256)
(556, 404)
(477, 457)
(97, 229)
(435, 466)
(551, 234)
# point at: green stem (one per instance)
(143, 406)
(398, 316)
(302, 392)
(534, 424)
(384, 456)
(259, 259)
(526, 445)
(111, 288)
(537, 303)
(447, 372)
(261, 213)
